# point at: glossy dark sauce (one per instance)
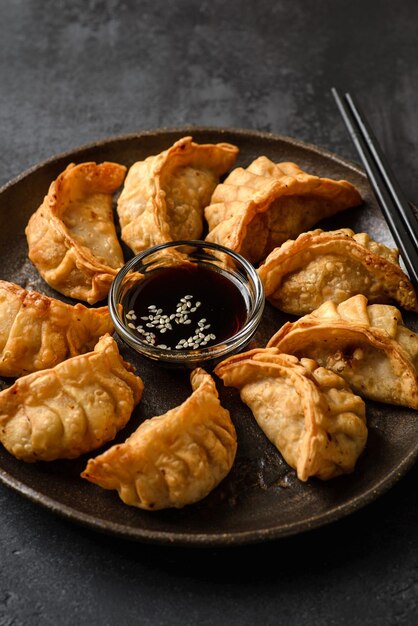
(217, 308)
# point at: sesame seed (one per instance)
(160, 321)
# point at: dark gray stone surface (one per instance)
(74, 72)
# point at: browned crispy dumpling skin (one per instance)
(260, 207)
(308, 412)
(173, 459)
(369, 346)
(37, 332)
(72, 237)
(318, 266)
(164, 196)
(73, 408)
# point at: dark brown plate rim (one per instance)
(205, 539)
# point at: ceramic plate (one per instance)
(261, 498)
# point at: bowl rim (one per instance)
(208, 353)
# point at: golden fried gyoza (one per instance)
(258, 208)
(173, 459)
(72, 237)
(37, 332)
(308, 412)
(73, 408)
(164, 196)
(369, 346)
(318, 266)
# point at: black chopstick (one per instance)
(397, 211)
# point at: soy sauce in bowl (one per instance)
(185, 308)
(187, 303)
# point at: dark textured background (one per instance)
(74, 72)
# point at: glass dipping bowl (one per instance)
(196, 256)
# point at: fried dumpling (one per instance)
(369, 346)
(173, 459)
(318, 266)
(63, 412)
(37, 332)
(164, 196)
(72, 237)
(308, 412)
(258, 208)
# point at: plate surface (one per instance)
(261, 498)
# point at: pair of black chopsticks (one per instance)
(397, 211)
